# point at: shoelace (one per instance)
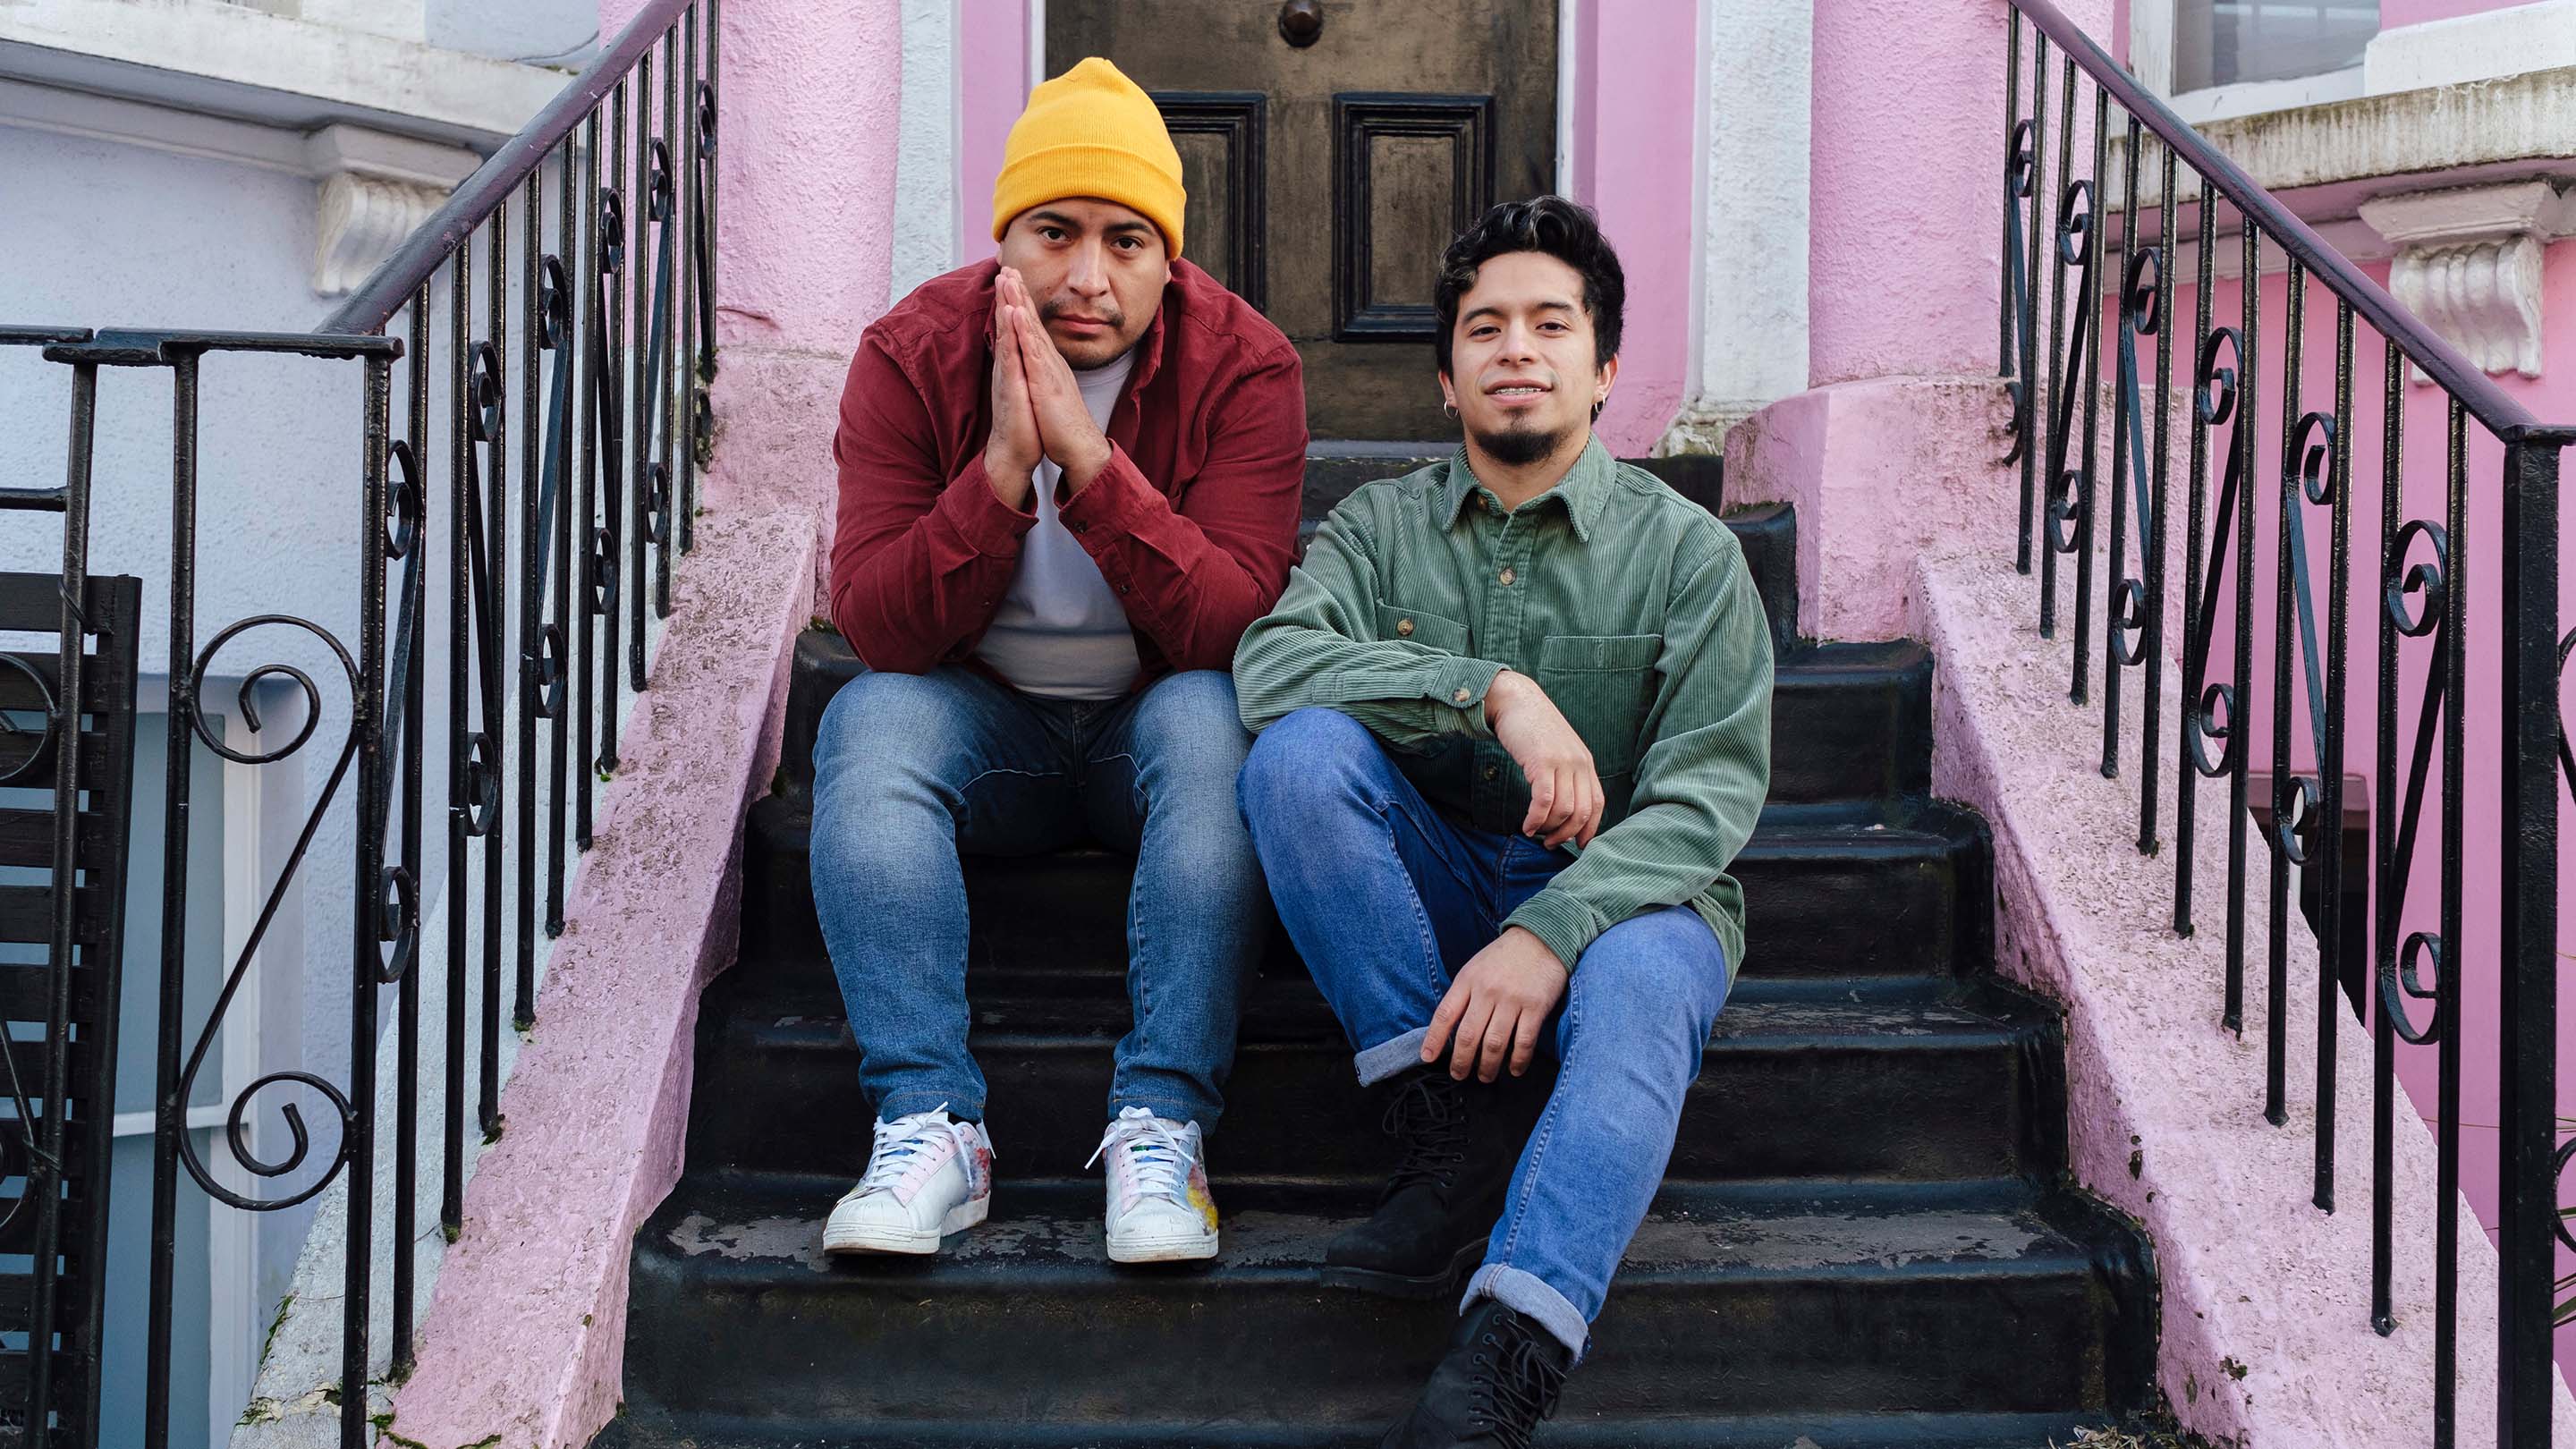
(1155, 1154)
(1430, 1117)
(902, 1144)
(1515, 1388)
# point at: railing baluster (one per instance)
(460, 651)
(367, 733)
(2528, 743)
(639, 417)
(2197, 600)
(689, 282)
(2385, 904)
(2157, 526)
(2006, 322)
(609, 563)
(2030, 415)
(2088, 332)
(2285, 823)
(666, 218)
(594, 332)
(169, 1107)
(2059, 398)
(2240, 738)
(2123, 599)
(531, 594)
(2454, 664)
(491, 595)
(2328, 716)
(563, 428)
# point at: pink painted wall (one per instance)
(1635, 159)
(1903, 245)
(2552, 396)
(992, 87)
(804, 265)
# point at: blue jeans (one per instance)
(913, 771)
(1386, 899)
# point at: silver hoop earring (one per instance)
(1451, 409)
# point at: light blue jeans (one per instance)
(913, 771)
(1386, 898)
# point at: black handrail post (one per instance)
(2527, 567)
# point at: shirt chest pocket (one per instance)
(1431, 631)
(1603, 684)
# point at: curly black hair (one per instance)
(1548, 224)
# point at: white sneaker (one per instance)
(928, 1176)
(1159, 1208)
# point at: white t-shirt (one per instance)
(1060, 632)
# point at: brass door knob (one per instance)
(1301, 22)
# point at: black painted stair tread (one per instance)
(1723, 1305)
(1849, 721)
(1798, 1079)
(1838, 891)
(645, 1428)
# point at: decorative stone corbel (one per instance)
(2469, 262)
(374, 190)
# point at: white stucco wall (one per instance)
(1752, 333)
(926, 202)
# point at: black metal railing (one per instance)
(2064, 219)
(579, 262)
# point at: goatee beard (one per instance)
(1519, 447)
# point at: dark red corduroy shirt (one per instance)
(1194, 521)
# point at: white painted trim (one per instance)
(143, 1124)
(1703, 124)
(2151, 36)
(2254, 98)
(232, 1238)
(1566, 18)
(1037, 44)
(139, 123)
(224, 59)
(2467, 48)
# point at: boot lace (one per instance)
(1514, 1387)
(1429, 1116)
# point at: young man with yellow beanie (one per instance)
(1069, 479)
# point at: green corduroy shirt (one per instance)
(1630, 606)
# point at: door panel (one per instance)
(1325, 179)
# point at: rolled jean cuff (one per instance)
(1391, 1056)
(909, 1100)
(1527, 1293)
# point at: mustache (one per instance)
(1049, 310)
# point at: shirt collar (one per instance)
(1583, 492)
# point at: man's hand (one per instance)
(1566, 798)
(1011, 451)
(1064, 425)
(1497, 1007)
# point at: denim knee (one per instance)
(1188, 734)
(1654, 981)
(1310, 757)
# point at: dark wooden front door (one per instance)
(1325, 178)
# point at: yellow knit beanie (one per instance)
(1091, 132)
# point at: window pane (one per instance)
(2219, 42)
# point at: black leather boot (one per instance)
(1460, 1142)
(1500, 1377)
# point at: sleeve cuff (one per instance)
(1556, 916)
(1111, 505)
(1461, 684)
(981, 519)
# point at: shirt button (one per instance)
(1462, 696)
(1493, 772)
(1082, 528)
(1404, 628)
(1124, 589)
(1506, 576)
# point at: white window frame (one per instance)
(2151, 59)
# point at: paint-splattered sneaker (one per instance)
(1159, 1208)
(929, 1175)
